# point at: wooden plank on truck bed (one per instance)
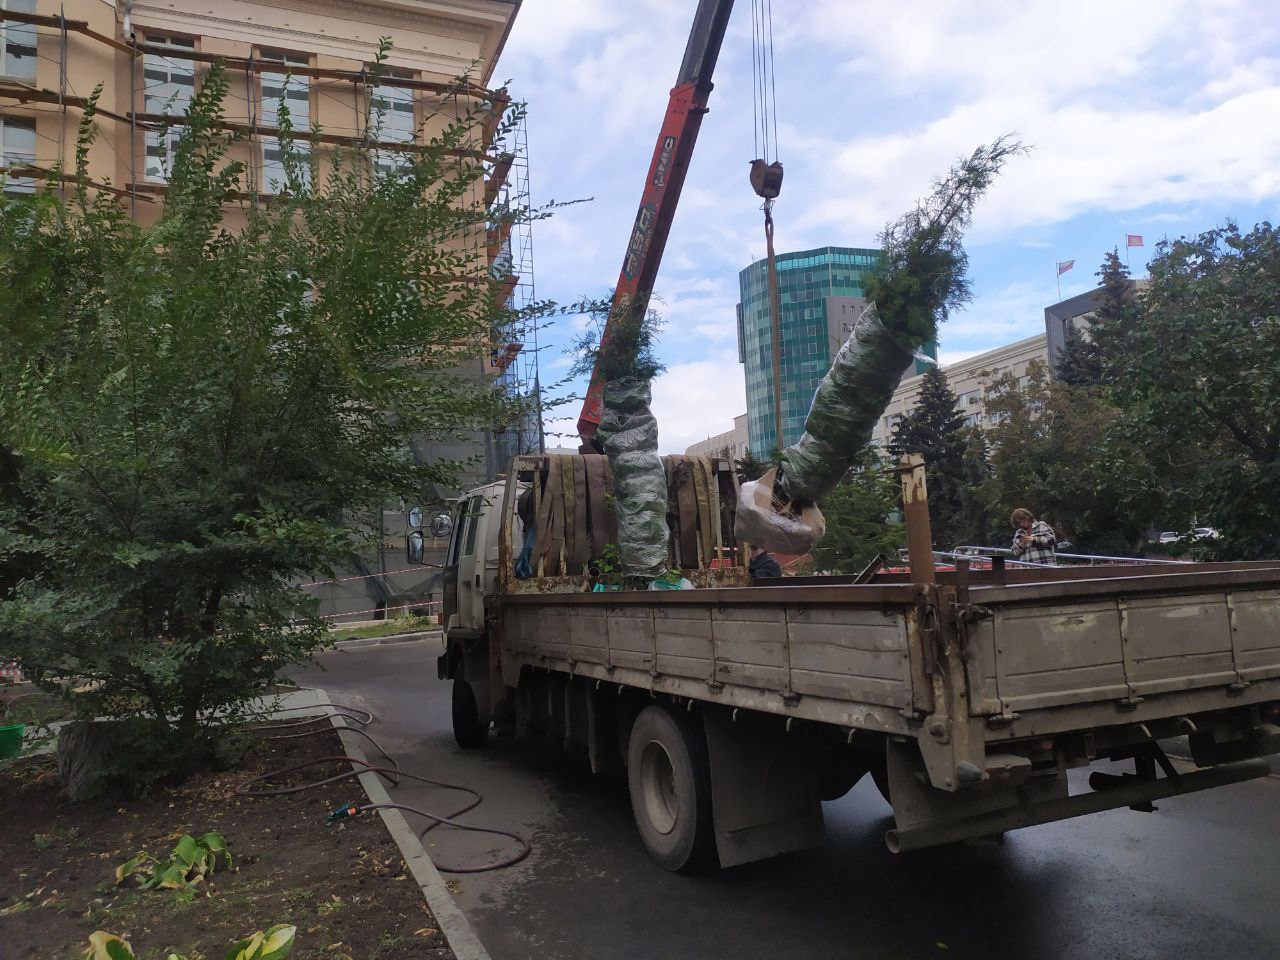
(750, 645)
(685, 642)
(1178, 642)
(631, 637)
(1058, 654)
(850, 654)
(1257, 628)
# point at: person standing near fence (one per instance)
(1033, 540)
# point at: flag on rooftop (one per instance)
(1134, 240)
(1064, 266)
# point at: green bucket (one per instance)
(11, 740)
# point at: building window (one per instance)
(391, 113)
(18, 41)
(170, 82)
(18, 140)
(295, 93)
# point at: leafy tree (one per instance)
(935, 429)
(1197, 376)
(856, 512)
(203, 415)
(1052, 452)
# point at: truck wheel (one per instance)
(468, 730)
(670, 784)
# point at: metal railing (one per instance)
(1084, 559)
(1009, 562)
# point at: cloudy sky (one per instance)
(1154, 117)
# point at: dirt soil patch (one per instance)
(345, 887)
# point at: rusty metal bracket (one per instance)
(930, 634)
(1004, 718)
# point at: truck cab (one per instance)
(471, 573)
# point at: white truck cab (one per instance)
(471, 572)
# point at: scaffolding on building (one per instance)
(515, 352)
(362, 84)
(501, 234)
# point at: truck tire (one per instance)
(669, 779)
(468, 730)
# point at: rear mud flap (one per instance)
(764, 799)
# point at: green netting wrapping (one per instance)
(629, 434)
(849, 401)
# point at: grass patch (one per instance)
(58, 837)
(386, 628)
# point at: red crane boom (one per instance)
(667, 169)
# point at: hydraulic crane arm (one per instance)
(662, 186)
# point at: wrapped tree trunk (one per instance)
(849, 401)
(923, 275)
(629, 434)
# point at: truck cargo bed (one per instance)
(1042, 655)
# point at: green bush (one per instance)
(194, 418)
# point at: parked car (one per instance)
(1192, 535)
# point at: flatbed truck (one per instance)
(736, 708)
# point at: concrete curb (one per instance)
(394, 638)
(453, 922)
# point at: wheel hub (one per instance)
(658, 779)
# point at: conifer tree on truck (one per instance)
(736, 709)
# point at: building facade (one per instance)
(1075, 315)
(820, 297)
(1067, 316)
(969, 380)
(732, 443)
(147, 60)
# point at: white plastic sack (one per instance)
(755, 521)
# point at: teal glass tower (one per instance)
(821, 295)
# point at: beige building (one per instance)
(731, 443)
(316, 55)
(969, 380)
(149, 57)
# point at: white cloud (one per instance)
(967, 49)
(1084, 159)
(1161, 107)
(698, 399)
(1011, 313)
(549, 28)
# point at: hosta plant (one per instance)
(272, 944)
(189, 864)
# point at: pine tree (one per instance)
(751, 467)
(1080, 363)
(935, 429)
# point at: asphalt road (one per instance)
(1198, 879)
